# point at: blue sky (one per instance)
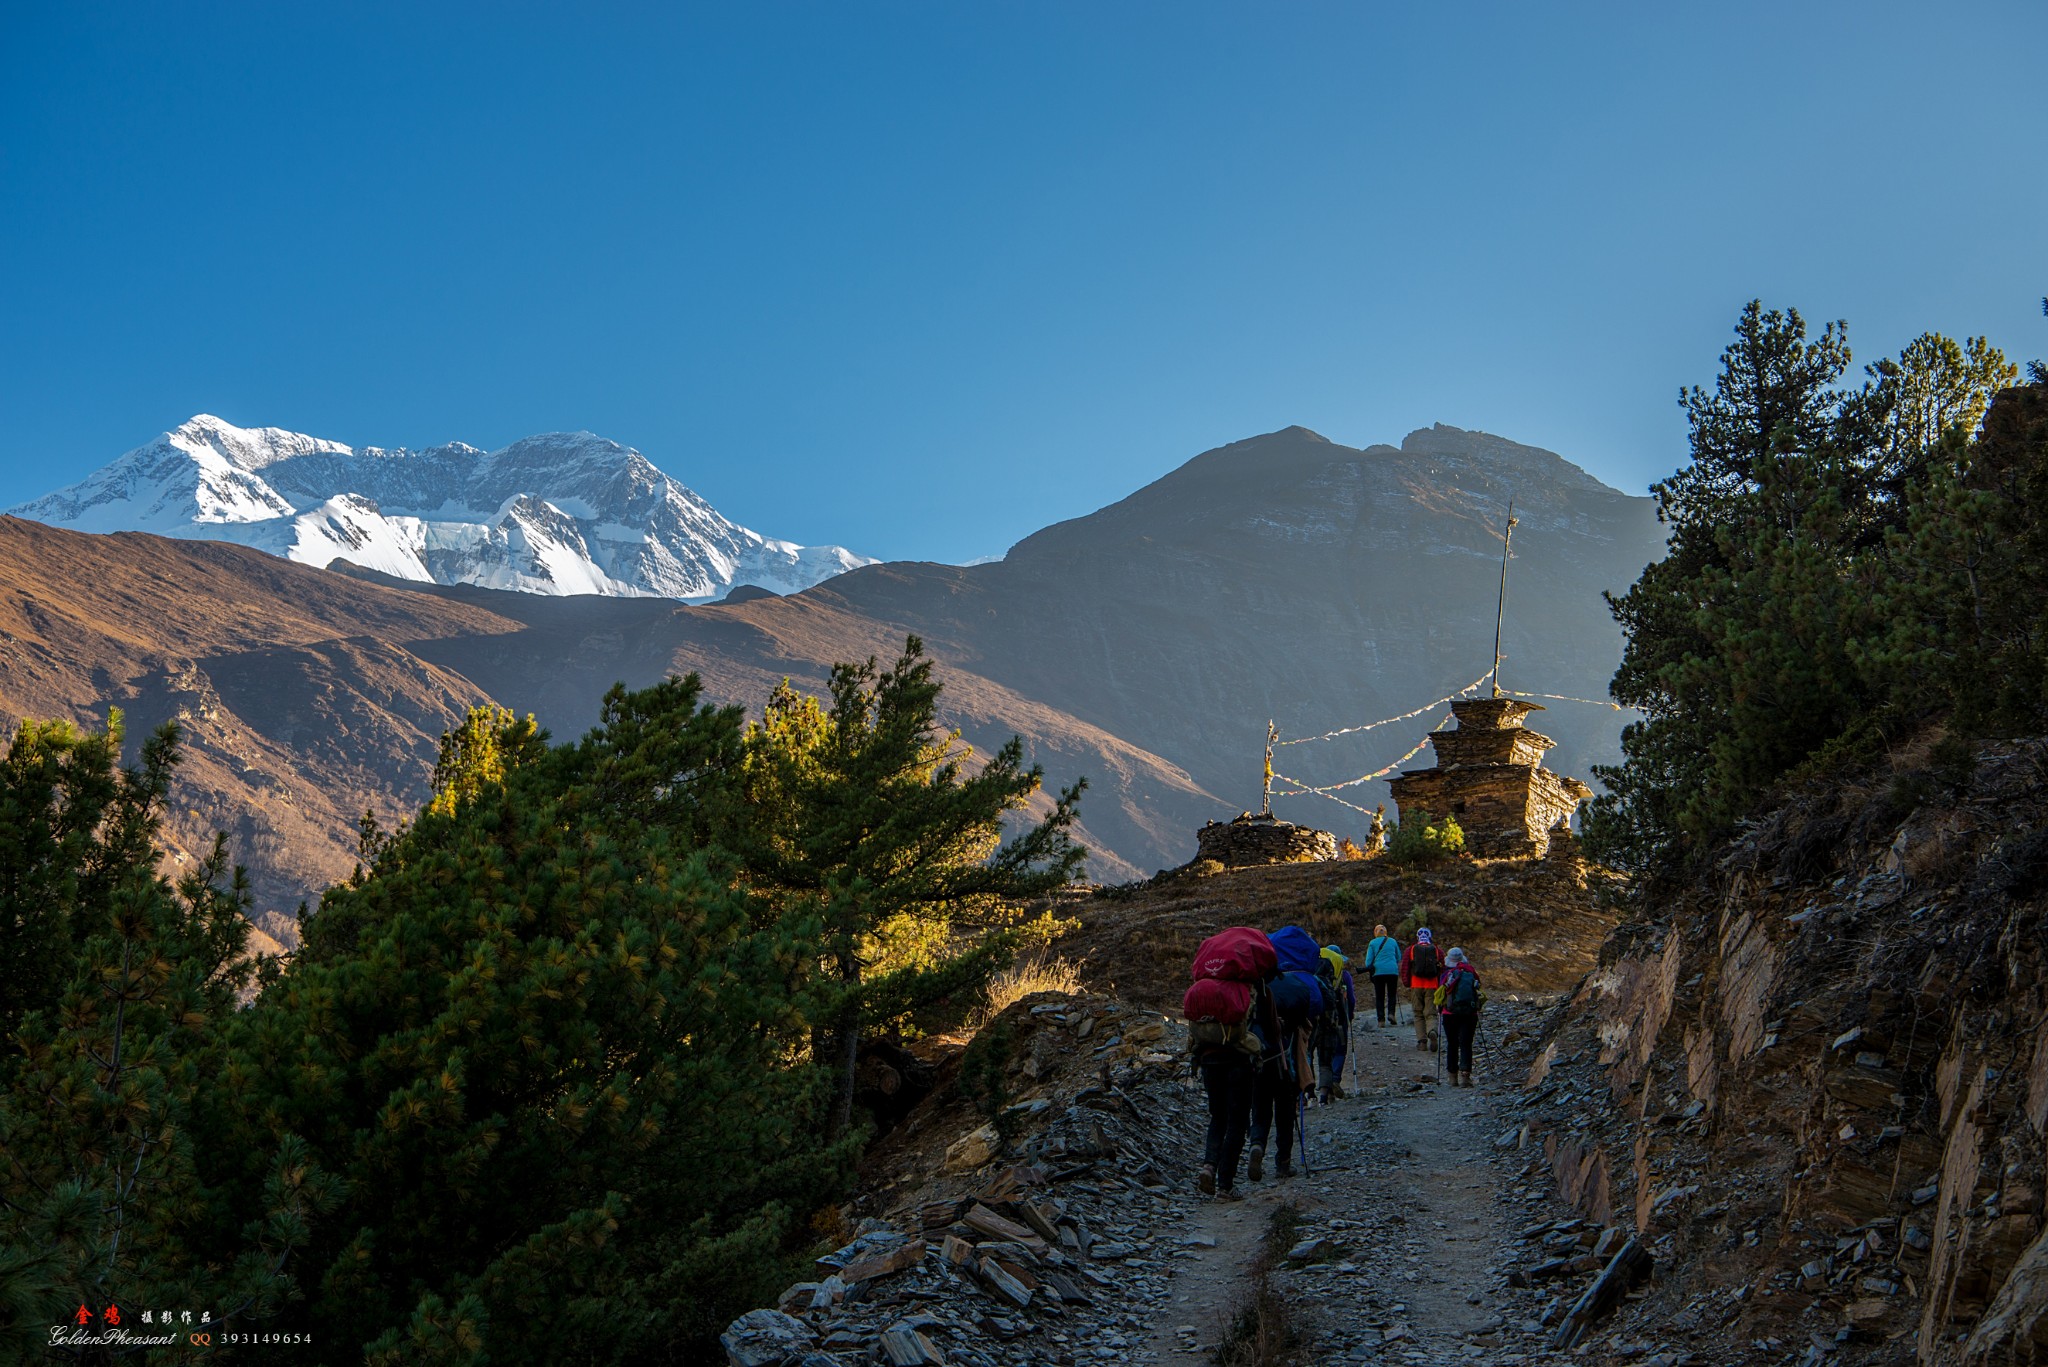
(922, 278)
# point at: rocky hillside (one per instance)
(1818, 1084)
(1539, 923)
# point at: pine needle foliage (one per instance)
(1844, 566)
(549, 1043)
(579, 1037)
(113, 1193)
(872, 829)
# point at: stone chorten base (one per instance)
(1251, 840)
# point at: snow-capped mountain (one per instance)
(561, 513)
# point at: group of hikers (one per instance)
(1270, 1021)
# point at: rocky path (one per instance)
(1421, 1231)
(1414, 1212)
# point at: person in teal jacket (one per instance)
(1383, 966)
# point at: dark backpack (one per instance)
(1463, 997)
(1423, 963)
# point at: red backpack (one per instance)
(1217, 999)
(1240, 954)
(1218, 1011)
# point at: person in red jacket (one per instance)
(1421, 968)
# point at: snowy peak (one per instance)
(246, 448)
(558, 513)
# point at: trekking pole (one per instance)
(1301, 1124)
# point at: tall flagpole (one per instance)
(1500, 612)
(1272, 734)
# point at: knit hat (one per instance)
(1422, 936)
(1454, 958)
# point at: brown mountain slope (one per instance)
(307, 696)
(1291, 578)
(300, 708)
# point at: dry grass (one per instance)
(1020, 980)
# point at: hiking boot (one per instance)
(1230, 1194)
(1256, 1168)
(1283, 1171)
(1205, 1180)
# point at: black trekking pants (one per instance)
(1458, 1032)
(1274, 1098)
(1386, 997)
(1228, 1076)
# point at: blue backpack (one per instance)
(1297, 950)
(1296, 996)
(1462, 992)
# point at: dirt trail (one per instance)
(1421, 1211)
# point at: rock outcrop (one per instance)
(1818, 1087)
(1250, 840)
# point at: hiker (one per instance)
(1383, 966)
(1458, 1001)
(1227, 1005)
(1419, 969)
(1285, 1060)
(1229, 1069)
(1333, 1027)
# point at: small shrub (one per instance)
(1418, 840)
(1345, 900)
(1331, 922)
(1447, 925)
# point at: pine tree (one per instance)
(549, 1041)
(1806, 522)
(110, 1194)
(864, 824)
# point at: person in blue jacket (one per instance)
(1383, 966)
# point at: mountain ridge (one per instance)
(555, 513)
(1145, 645)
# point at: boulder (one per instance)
(972, 1150)
(765, 1338)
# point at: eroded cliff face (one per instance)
(1818, 1083)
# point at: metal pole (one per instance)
(1501, 612)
